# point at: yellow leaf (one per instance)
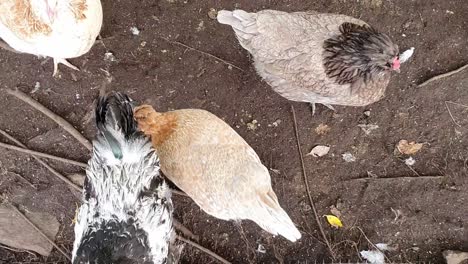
(334, 221)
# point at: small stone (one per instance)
(410, 161)
(253, 125)
(261, 249)
(348, 157)
(212, 13)
(135, 31)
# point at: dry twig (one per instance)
(207, 251)
(396, 178)
(370, 242)
(56, 173)
(24, 179)
(59, 120)
(180, 193)
(179, 226)
(444, 75)
(43, 155)
(39, 230)
(202, 52)
(312, 204)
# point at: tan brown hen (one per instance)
(317, 58)
(210, 162)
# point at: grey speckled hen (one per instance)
(317, 58)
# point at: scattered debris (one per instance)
(408, 148)
(319, 151)
(367, 113)
(213, 14)
(405, 56)
(334, 221)
(449, 12)
(373, 256)
(368, 128)
(348, 157)
(410, 161)
(253, 125)
(275, 124)
(16, 232)
(201, 26)
(109, 56)
(322, 129)
(261, 249)
(455, 257)
(135, 31)
(398, 214)
(37, 86)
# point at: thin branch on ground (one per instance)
(450, 113)
(17, 250)
(180, 193)
(441, 76)
(59, 120)
(413, 170)
(24, 179)
(370, 242)
(184, 230)
(205, 250)
(39, 230)
(43, 163)
(202, 52)
(395, 178)
(43, 155)
(312, 204)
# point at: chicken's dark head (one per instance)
(359, 52)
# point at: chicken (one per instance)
(317, 58)
(60, 29)
(210, 162)
(121, 220)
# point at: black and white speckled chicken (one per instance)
(121, 221)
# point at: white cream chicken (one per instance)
(60, 29)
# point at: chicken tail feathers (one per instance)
(243, 23)
(115, 122)
(275, 220)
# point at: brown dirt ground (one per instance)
(434, 211)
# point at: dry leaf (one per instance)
(408, 148)
(322, 129)
(334, 221)
(319, 151)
